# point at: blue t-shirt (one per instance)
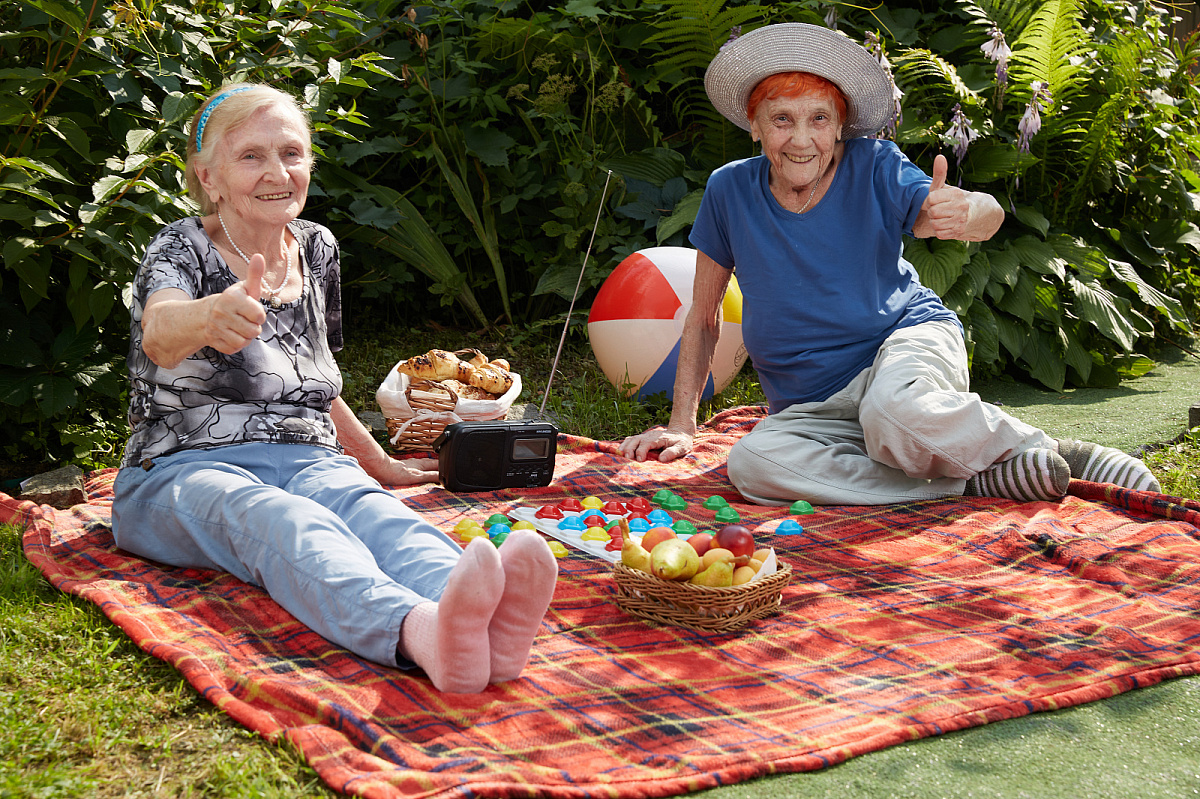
(821, 290)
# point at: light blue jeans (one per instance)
(328, 543)
(905, 428)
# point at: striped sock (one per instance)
(1098, 464)
(1033, 476)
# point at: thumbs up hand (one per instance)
(236, 315)
(952, 213)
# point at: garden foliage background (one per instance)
(464, 146)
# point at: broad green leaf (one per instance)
(1033, 219)
(985, 333)
(938, 263)
(1012, 334)
(176, 106)
(1096, 305)
(366, 212)
(137, 139)
(335, 69)
(655, 165)
(37, 166)
(54, 394)
(1005, 265)
(1019, 301)
(488, 145)
(1044, 359)
(67, 13)
(1148, 294)
(1038, 256)
(107, 186)
(682, 215)
(1075, 354)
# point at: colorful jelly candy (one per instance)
(639, 525)
(660, 516)
(572, 523)
(466, 524)
(660, 495)
(613, 508)
(714, 502)
(592, 503)
(548, 512)
(596, 534)
(498, 529)
(638, 505)
(614, 545)
(674, 503)
(789, 527)
(594, 520)
(570, 504)
(801, 506)
(728, 515)
(559, 549)
(683, 527)
(496, 518)
(472, 532)
(524, 524)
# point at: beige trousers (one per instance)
(906, 428)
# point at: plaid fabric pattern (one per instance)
(901, 621)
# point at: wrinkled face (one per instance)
(260, 170)
(798, 136)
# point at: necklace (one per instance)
(287, 259)
(813, 193)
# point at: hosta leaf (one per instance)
(1096, 305)
(1038, 256)
(1044, 359)
(938, 263)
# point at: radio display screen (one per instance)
(530, 449)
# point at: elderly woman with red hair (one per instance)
(864, 368)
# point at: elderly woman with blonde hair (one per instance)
(243, 457)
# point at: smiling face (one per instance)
(799, 136)
(260, 170)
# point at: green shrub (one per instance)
(466, 149)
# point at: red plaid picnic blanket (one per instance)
(901, 621)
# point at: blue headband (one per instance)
(216, 101)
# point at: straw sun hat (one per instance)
(798, 47)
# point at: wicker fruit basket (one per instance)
(419, 433)
(698, 607)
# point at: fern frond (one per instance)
(923, 74)
(1047, 49)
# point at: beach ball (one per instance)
(637, 319)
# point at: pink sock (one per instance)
(449, 638)
(530, 573)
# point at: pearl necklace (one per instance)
(287, 259)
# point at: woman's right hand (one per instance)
(672, 443)
(236, 315)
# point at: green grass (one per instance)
(87, 714)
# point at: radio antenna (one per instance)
(571, 307)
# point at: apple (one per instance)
(738, 539)
(701, 542)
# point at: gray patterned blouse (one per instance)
(278, 389)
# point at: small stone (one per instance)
(60, 488)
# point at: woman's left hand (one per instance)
(953, 213)
(410, 472)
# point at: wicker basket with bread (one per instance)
(424, 393)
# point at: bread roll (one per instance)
(491, 379)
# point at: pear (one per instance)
(633, 554)
(718, 575)
(674, 559)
